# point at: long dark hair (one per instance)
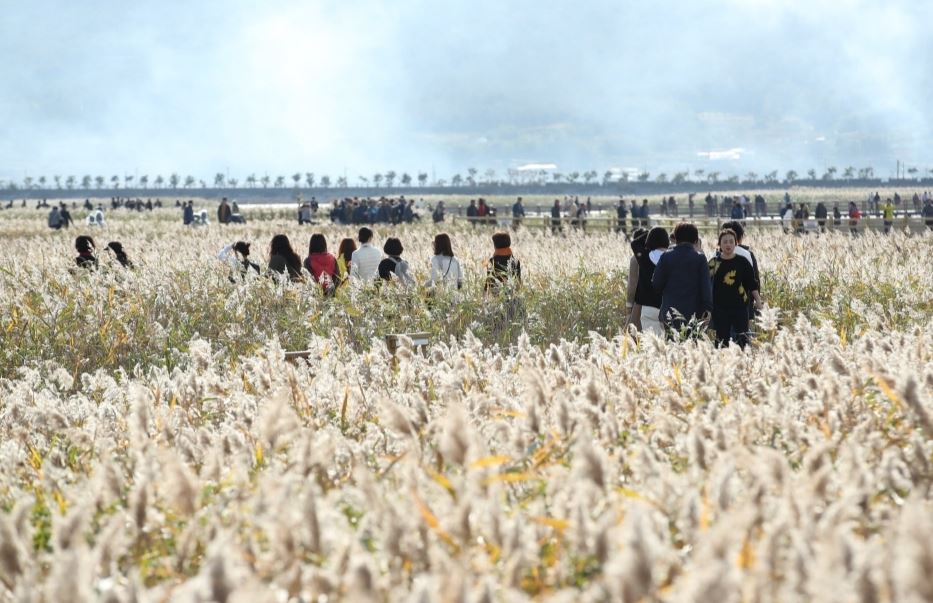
(117, 248)
(317, 244)
(442, 245)
(346, 249)
(657, 238)
(280, 245)
(84, 243)
(393, 247)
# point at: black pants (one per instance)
(731, 324)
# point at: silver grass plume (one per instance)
(12, 556)
(455, 439)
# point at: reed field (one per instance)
(156, 446)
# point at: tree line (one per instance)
(471, 178)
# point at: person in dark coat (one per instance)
(621, 214)
(682, 279)
(65, 216)
(224, 212)
(503, 268)
(821, 214)
(648, 252)
(555, 218)
(735, 286)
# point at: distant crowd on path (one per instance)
(365, 264)
(630, 215)
(379, 211)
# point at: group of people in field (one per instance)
(361, 262)
(674, 288)
(89, 259)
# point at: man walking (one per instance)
(682, 279)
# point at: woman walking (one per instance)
(648, 251)
(733, 285)
(631, 289)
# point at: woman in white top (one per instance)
(445, 268)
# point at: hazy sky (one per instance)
(110, 87)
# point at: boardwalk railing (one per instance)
(610, 223)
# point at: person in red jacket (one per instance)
(320, 263)
(854, 216)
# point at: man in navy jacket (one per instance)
(682, 279)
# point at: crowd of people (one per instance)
(384, 210)
(360, 262)
(673, 287)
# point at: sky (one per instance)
(352, 88)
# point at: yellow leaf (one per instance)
(505, 412)
(60, 499)
(885, 386)
(433, 523)
(557, 524)
(490, 461)
(704, 514)
(746, 558)
(629, 493)
(259, 455)
(35, 459)
(443, 481)
(493, 551)
(543, 452)
(512, 477)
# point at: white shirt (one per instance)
(364, 263)
(445, 270)
(744, 253)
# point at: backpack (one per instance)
(397, 272)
